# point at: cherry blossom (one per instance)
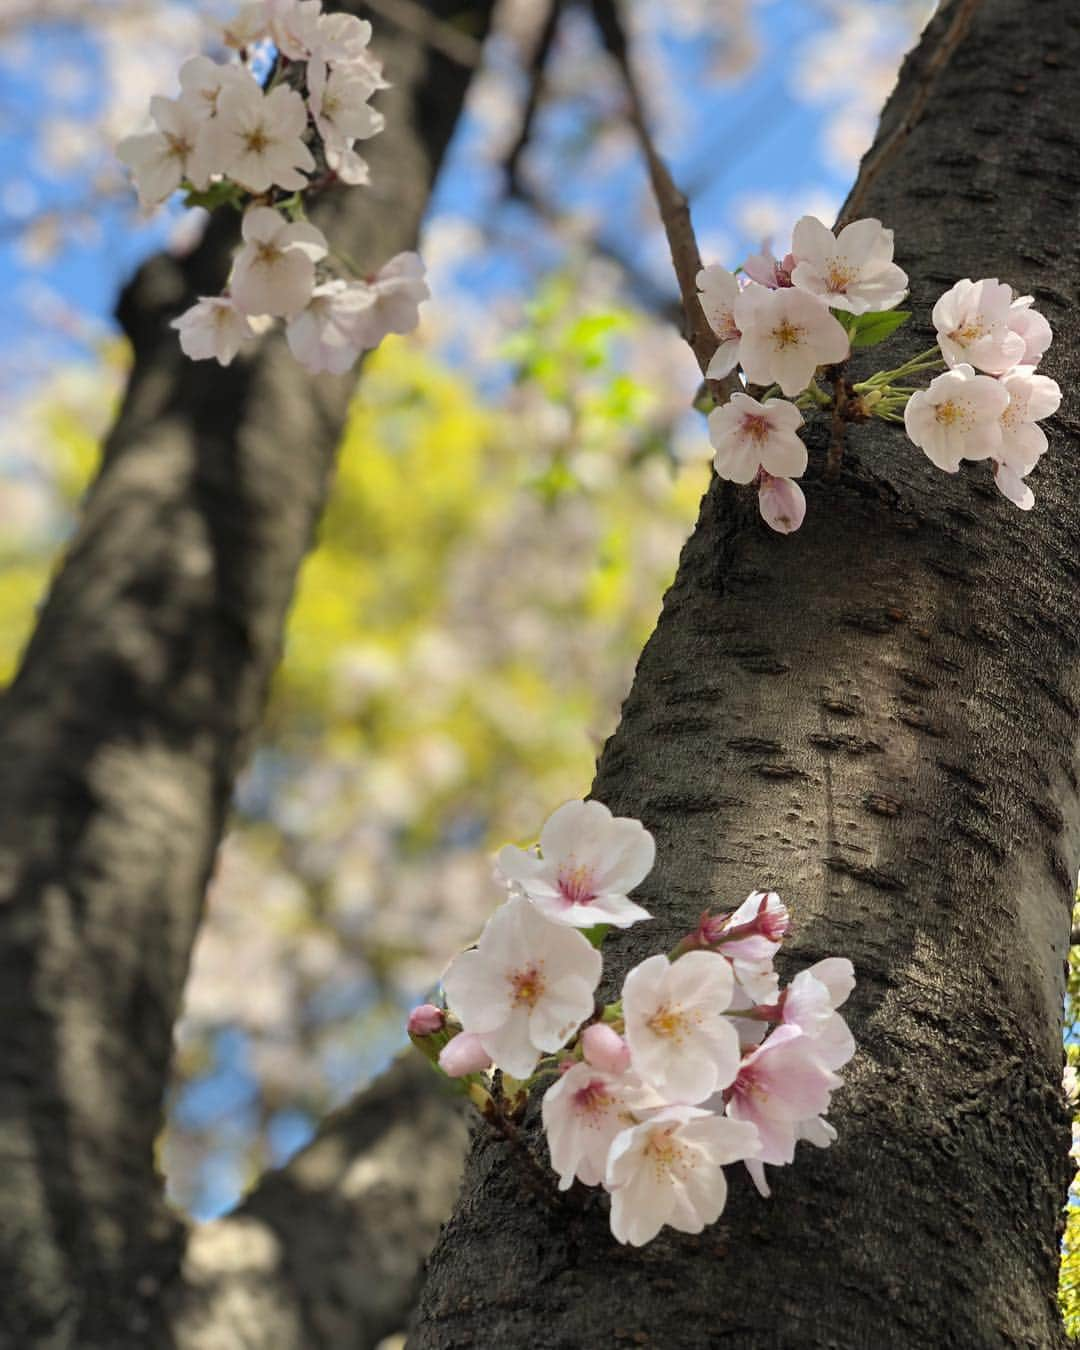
(957, 417)
(425, 1020)
(322, 337)
(810, 1002)
(464, 1054)
(293, 26)
(1032, 327)
(853, 271)
(160, 160)
(246, 27)
(781, 503)
(256, 138)
(202, 80)
(786, 335)
(275, 271)
(973, 326)
(525, 987)
(719, 288)
(589, 862)
(213, 329)
(669, 1170)
(754, 931)
(780, 1085)
(395, 294)
(1031, 398)
(341, 41)
(582, 1114)
(339, 104)
(748, 435)
(604, 1048)
(680, 1041)
(769, 271)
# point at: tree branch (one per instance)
(136, 704)
(325, 1254)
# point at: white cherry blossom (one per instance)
(781, 503)
(396, 292)
(973, 321)
(747, 435)
(718, 289)
(589, 862)
(786, 335)
(274, 273)
(1031, 398)
(256, 138)
(202, 80)
(339, 104)
(293, 26)
(526, 986)
(1032, 327)
(582, 1114)
(957, 417)
(853, 271)
(680, 1041)
(322, 336)
(213, 329)
(246, 27)
(160, 160)
(669, 1170)
(341, 41)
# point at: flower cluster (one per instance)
(982, 326)
(784, 321)
(264, 149)
(702, 1061)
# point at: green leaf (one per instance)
(597, 935)
(217, 194)
(870, 329)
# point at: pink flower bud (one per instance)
(463, 1055)
(605, 1049)
(781, 503)
(426, 1020)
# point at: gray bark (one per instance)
(121, 736)
(877, 717)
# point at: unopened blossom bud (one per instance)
(426, 1020)
(605, 1049)
(464, 1055)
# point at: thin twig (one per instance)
(459, 47)
(835, 456)
(939, 59)
(537, 67)
(673, 206)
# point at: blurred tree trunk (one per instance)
(121, 736)
(876, 716)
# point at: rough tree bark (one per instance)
(120, 739)
(876, 716)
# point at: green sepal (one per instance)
(217, 194)
(597, 934)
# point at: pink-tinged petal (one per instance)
(837, 974)
(604, 1048)
(463, 1055)
(1014, 487)
(782, 504)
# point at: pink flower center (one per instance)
(527, 985)
(593, 1099)
(755, 427)
(576, 884)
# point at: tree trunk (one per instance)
(876, 716)
(121, 736)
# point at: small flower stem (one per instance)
(841, 393)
